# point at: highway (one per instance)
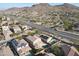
(69, 35)
(66, 35)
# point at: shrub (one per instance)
(56, 50)
(68, 25)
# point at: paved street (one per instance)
(66, 35)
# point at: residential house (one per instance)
(3, 18)
(69, 50)
(9, 21)
(46, 38)
(6, 51)
(4, 23)
(76, 27)
(6, 32)
(16, 22)
(25, 27)
(35, 41)
(16, 29)
(21, 47)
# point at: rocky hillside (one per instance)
(44, 8)
(46, 14)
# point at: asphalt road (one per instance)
(65, 34)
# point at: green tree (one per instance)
(68, 25)
(30, 33)
(56, 50)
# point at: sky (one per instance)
(10, 5)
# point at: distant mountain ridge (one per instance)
(46, 4)
(70, 5)
(42, 8)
